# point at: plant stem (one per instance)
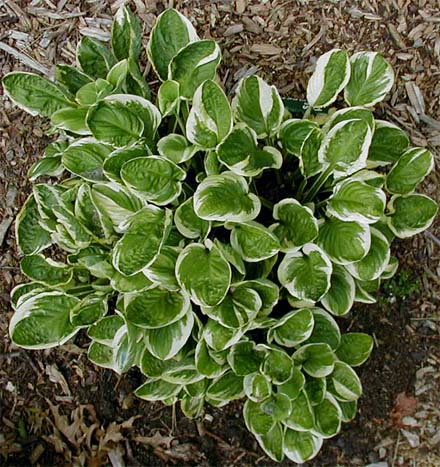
(301, 188)
(317, 184)
(266, 203)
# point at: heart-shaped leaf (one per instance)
(297, 224)
(203, 273)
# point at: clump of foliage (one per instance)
(209, 243)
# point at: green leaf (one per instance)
(301, 415)
(170, 34)
(327, 418)
(31, 237)
(126, 34)
(388, 143)
(257, 420)
(258, 105)
(294, 132)
(112, 122)
(346, 382)
(94, 57)
(45, 270)
(34, 94)
(253, 241)
(348, 410)
(373, 265)
(71, 77)
(115, 202)
(309, 163)
(301, 446)
(43, 321)
(175, 148)
(22, 292)
(188, 223)
(85, 157)
(89, 310)
(277, 366)
(293, 328)
(105, 330)
(317, 359)
(268, 291)
(153, 178)
(355, 348)
(372, 77)
(315, 389)
(241, 154)
(118, 74)
(93, 92)
(203, 273)
(226, 387)
(340, 296)
(411, 168)
(49, 166)
(355, 200)
(219, 337)
(162, 270)
(257, 387)
(325, 330)
(272, 442)
(306, 275)
(194, 64)
(350, 113)
(144, 236)
(225, 197)
(157, 390)
(297, 225)
(135, 81)
(142, 108)
(345, 147)
(157, 307)
(244, 359)
(331, 75)
(210, 118)
(206, 364)
(335, 235)
(72, 120)
(136, 283)
(168, 97)
(167, 341)
(390, 268)
(293, 386)
(410, 214)
(152, 366)
(113, 163)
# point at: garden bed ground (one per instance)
(58, 409)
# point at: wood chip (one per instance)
(25, 59)
(240, 6)
(266, 49)
(415, 96)
(396, 36)
(250, 25)
(233, 29)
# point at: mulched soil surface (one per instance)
(58, 409)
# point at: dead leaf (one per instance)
(403, 406)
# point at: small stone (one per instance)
(412, 438)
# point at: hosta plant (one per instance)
(214, 244)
